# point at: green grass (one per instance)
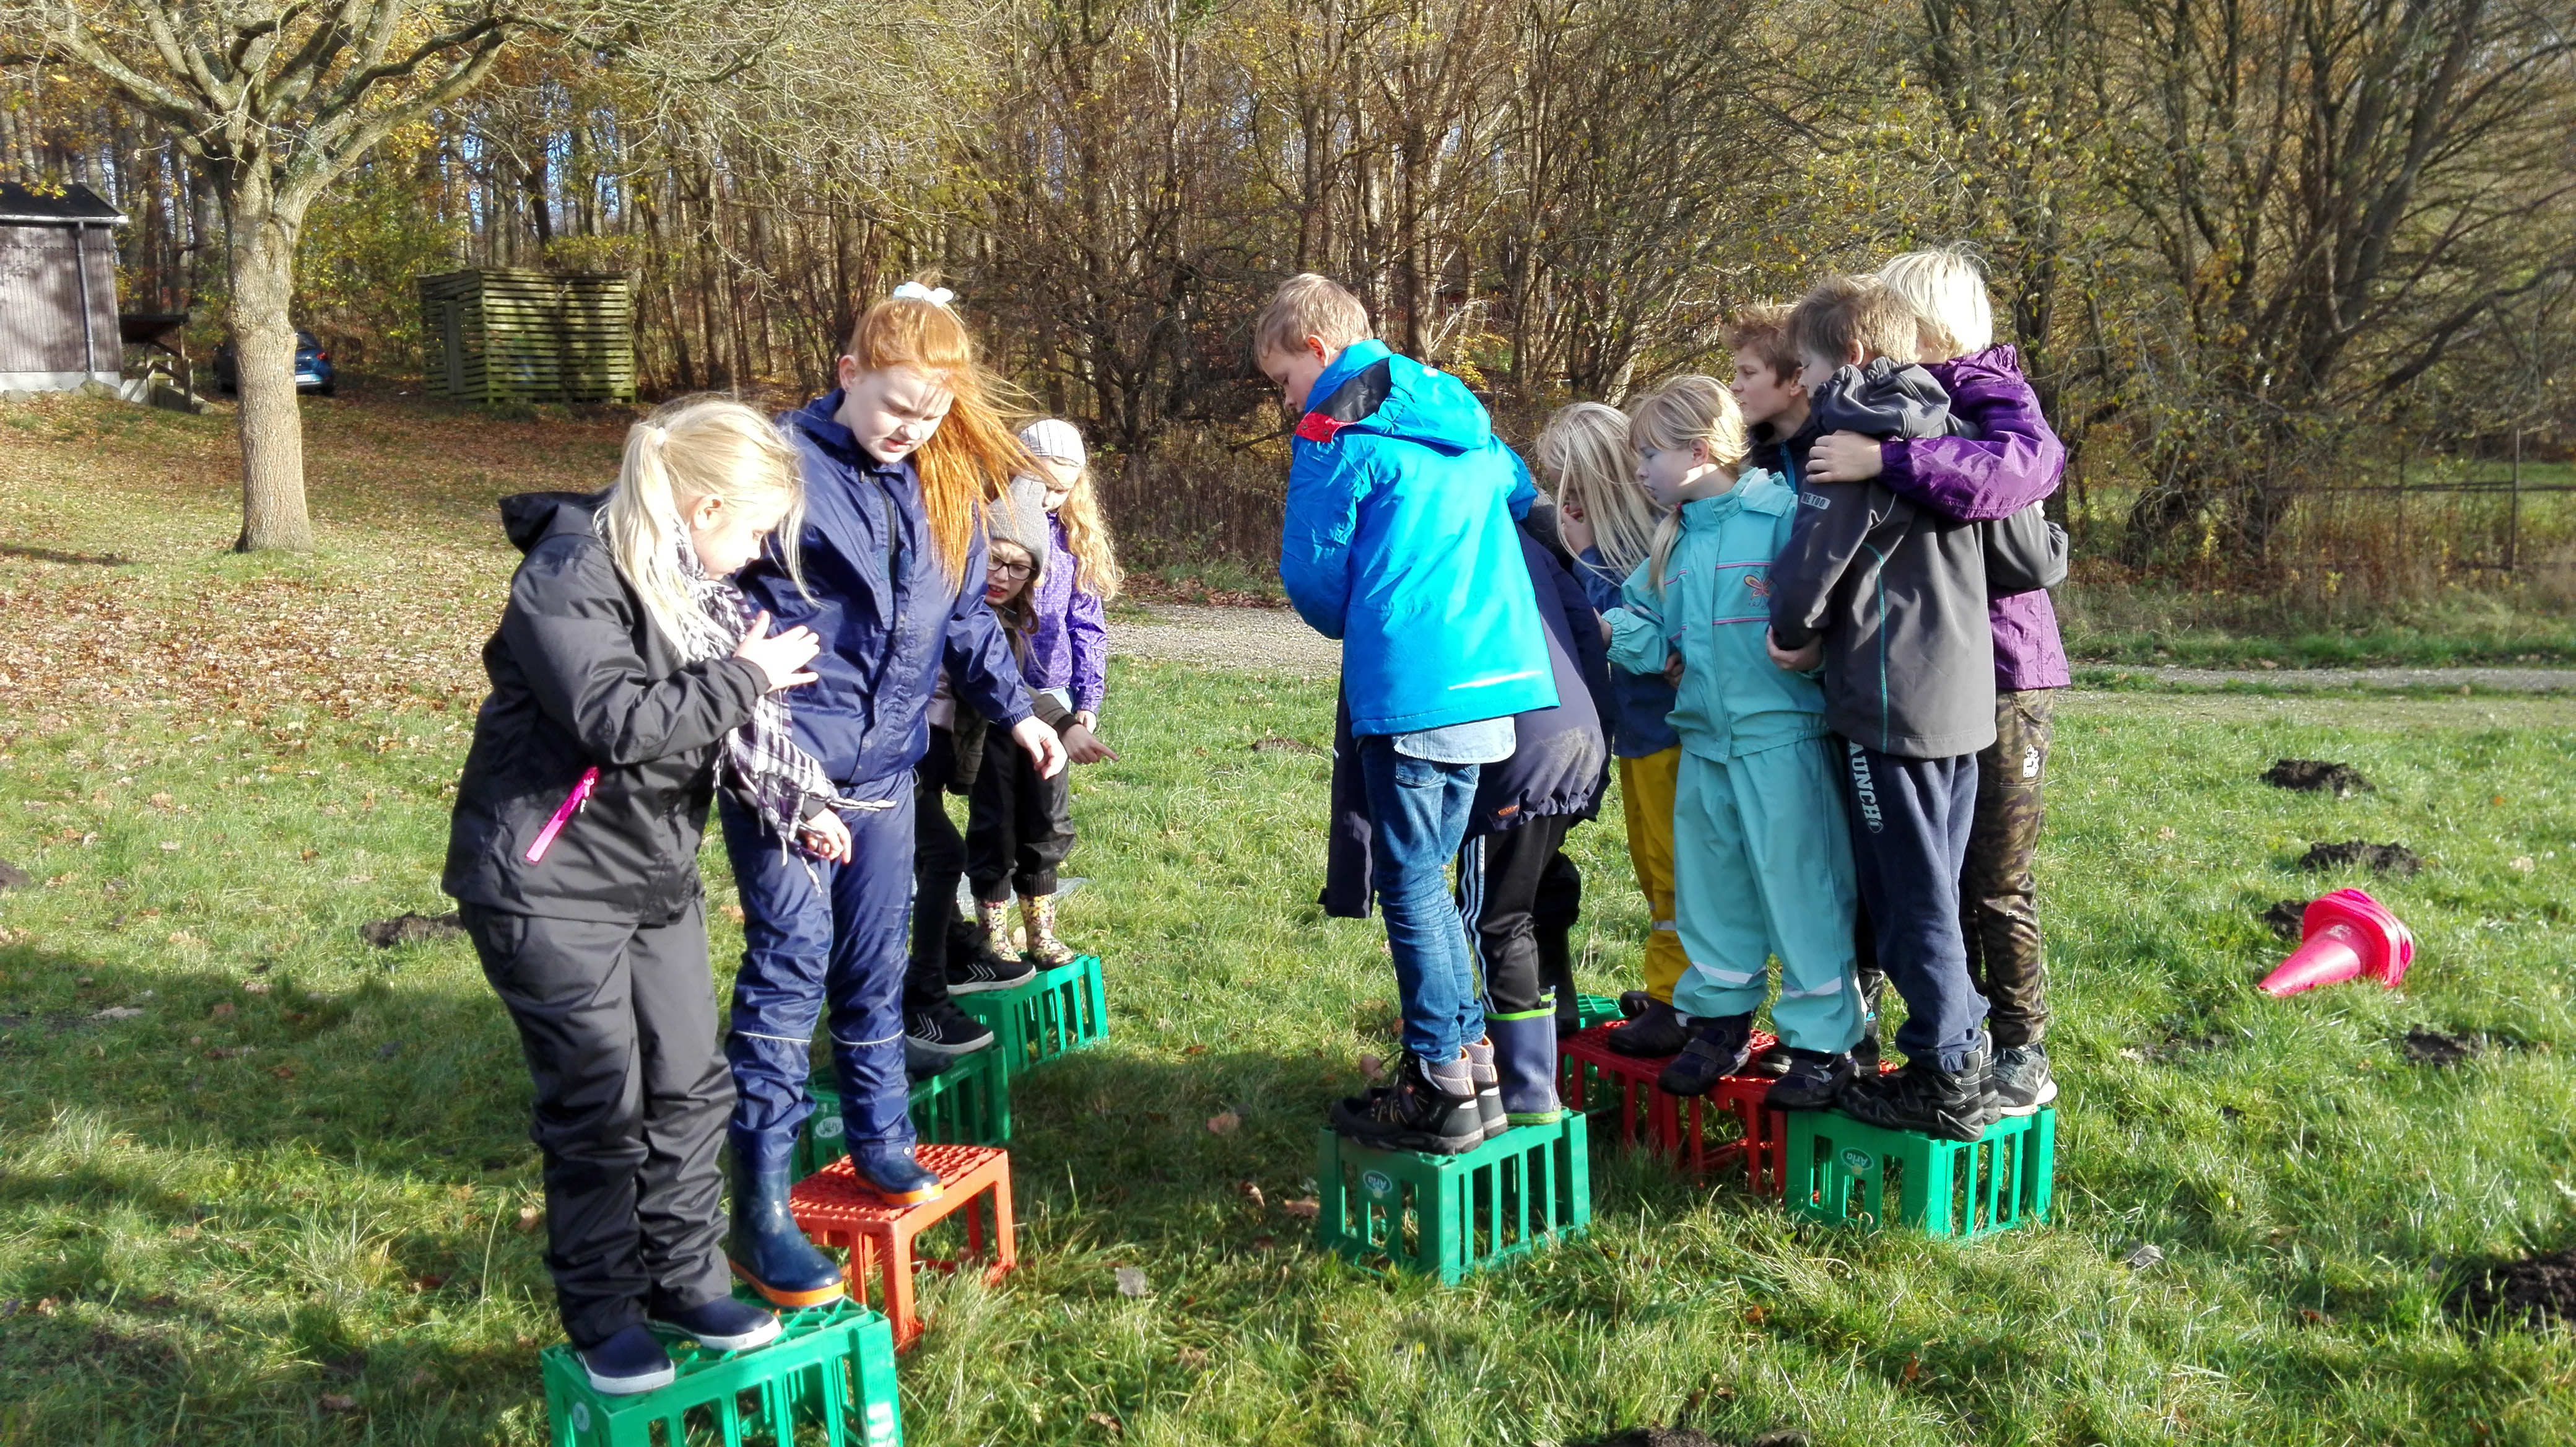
(285, 1202)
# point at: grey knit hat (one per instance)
(1055, 440)
(1020, 516)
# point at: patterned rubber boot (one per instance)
(1037, 919)
(995, 916)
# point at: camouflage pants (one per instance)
(1998, 898)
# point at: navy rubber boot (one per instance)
(889, 1169)
(723, 1325)
(764, 1247)
(628, 1363)
(1525, 1059)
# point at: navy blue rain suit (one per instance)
(890, 620)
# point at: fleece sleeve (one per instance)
(976, 653)
(2016, 463)
(1637, 641)
(570, 627)
(1834, 519)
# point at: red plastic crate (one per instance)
(831, 1207)
(1594, 1079)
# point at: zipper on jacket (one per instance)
(572, 805)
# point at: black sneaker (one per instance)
(1719, 1047)
(1433, 1111)
(2021, 1079)
(1951, 1105)
(939, 1035)
(983, 970)
(1651, 1036)
(1809, 1080)
(1864, 1056)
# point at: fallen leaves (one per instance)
(1306, 1207)
(117, 1012)
(1251, 1191)
(1132, 1282)
(337, 1402)
(531, 1217)
(1104, 1421)
(1224, 1123)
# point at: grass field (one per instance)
(288, 1198)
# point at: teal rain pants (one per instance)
(1762, 867)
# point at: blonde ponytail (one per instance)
(686, 450)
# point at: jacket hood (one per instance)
(529, 518)
(1994, 364)
(1885, 398)
(1370, 388)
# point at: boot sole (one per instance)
(901, 1198)
(776, 1296)
(2043, 1098)
(978, 987)
(945, 1050)
(630, 1386)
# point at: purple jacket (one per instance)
(2015, 463)
(1071, 648)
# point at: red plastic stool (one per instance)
(832, 1208)
(1587, 1066)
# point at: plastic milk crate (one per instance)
(1061, 1010)
(1840, 1170)
(833, 1209)
(968, 1104)
(1448, 1215)
(1596, 1080)
(827, 1381)
(1597, 1009)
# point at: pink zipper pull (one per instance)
(572, 804)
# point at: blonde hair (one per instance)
(1584, 447)
(1310, 305)
(1686, 409)
(1086, 536)
(685, 451)
(1947, 290)
(1841, 313)
(974, 454)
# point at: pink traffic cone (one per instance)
(2347, 934)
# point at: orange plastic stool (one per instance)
(1588, 1068)
(832, 1208)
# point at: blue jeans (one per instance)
(1418, 817)
(1909, 832)
(841, 943)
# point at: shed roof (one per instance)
(73, 203)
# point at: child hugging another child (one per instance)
(1607, 520)
(1762, 863)
(629, 677)
(1053, 570)
(1892, 598)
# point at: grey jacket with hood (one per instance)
(1897, 592)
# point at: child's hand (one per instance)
(781, 659)
(1573, 528)
(1673, 669)
(1083, 746)
(825, 837)
(1844, 457)
(1803, 660)
(1041, 744)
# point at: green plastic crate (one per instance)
(968, 1104)
(1061, 1010)
(1842, 1171)
(830, 1373)
(1446, 1216)
(1597, 1009)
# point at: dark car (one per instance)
(312, 367)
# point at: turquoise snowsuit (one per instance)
(1762, 863)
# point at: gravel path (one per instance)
(1276, 640)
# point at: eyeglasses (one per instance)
(1011, 570)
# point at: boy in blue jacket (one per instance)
(1400, 541)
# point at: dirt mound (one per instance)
(2287, 917)
(2316, 776)
(1691, 1437)
(2528, 1291)
(12, 877)
(2378, 858)
(410, 929)
(2431, 1047)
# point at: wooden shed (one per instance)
(498, 334)
(57, 290)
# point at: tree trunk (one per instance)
(272, 427)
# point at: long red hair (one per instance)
(974, 455)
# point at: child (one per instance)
(621, 675)
(1762, 864)
(950, 955)
(1020, 826)
(1399, 540)
(1767, 387)
(1893, 599)
(897, 464)
(1608, 521)
(2002, 474)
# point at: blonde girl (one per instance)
(900, 464)
(628, 679)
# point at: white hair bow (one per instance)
(915, 291)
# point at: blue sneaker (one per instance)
(891, 1171)
(628, 1363)
(723, 1325)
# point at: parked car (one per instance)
(312, 367)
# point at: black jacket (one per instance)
(1560, 760)
(582, 678)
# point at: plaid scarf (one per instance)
(761, 763)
